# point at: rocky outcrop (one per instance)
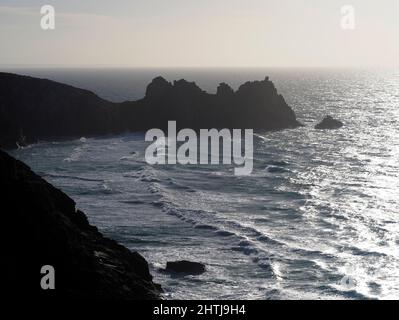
(33, 109)
(329, 123)
(41, 226)
(186, 267)
(224, 90)
(255, 105)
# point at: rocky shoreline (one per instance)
(42, 227)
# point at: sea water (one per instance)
(317, 219)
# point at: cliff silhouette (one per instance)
(33, 109)
(43, 227)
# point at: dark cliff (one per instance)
(42, 227)
(37, 108)
(255, 105)
(32, 109)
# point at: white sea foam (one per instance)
(315, 203)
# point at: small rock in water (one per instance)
(329, 123)
(186, 267)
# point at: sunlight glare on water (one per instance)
(317, 219)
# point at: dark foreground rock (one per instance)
(186, 267)
(40, 226)
(32, 109)
(329, 123)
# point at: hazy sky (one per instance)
(170, 33)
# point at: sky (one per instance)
(200, 33)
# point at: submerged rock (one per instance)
(186, 267)
(41, 226)
(329, 123)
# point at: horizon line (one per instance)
(105, 66)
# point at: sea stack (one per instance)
(329, 123)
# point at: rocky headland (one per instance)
(41, 227)
(34, 109)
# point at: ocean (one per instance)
(317, 219)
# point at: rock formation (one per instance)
(40, 226)
(329, 123)
(32, 109)
(186, 267)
